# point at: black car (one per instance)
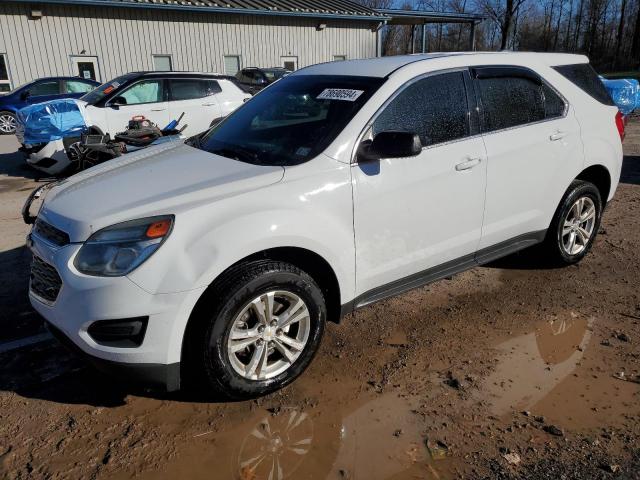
(255, 79)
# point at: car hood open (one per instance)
(162, 179)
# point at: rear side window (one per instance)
(554, 105)
(435, 108)
(188, 89)
(585, 77)
(510, 101)
(45, 88)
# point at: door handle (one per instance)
(557, 136)
(158, 109)
(209, 104)
(468, 164)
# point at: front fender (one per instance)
(312, 209)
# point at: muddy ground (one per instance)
(514, 370)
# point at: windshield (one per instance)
(290, 122)
(94, 96)
(275, 74)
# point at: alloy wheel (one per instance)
(7, 123)
(268, 335)
(578, 226)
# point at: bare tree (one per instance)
(502, 14)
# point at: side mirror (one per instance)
(24, 95)
(118, 102)
(390, 145)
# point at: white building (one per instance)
(102, 39)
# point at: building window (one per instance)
(5, 83)
(162, 63)
(290, 63)
(339, 58)
(231, 64)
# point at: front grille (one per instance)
(50, 233)
(45, 281)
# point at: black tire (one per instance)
(553, 244)
(207, 339)
(12, 115)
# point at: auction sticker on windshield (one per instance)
(340, 94)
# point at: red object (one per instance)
(620, 123)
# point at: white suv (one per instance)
(203, 99)
(340, 185)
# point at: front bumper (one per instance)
(83, 300)
(164, 377)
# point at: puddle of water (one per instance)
(379, 438)
(549, 372)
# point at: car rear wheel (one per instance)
(264, 326)
(575, 224)
(7, 123)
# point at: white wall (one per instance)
(124, 39)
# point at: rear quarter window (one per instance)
(585, 77)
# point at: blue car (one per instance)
(40, 90)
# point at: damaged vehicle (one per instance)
(160, 97)
(221, 259)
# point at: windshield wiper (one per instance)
(236, 153)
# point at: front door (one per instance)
(85, 67)
(146, 98)
(414, 216)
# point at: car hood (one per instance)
(163, 179)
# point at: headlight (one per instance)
(117, 250)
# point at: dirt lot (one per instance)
(513, 370)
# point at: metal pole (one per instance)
(472, 37)
(413, 37)
(424, 38)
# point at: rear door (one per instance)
(533, 147)
(146, 97)
(197, 99)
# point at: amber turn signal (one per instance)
(158, 229)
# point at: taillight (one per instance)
(620, 124)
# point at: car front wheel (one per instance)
(264, 328)
(7, 123)
(575, 224)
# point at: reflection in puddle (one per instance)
(378, 439)
(532, 365)
(276, 446)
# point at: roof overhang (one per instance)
(420, 17)
(377, 17)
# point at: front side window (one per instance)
(290, 122)
(75, 86)
(435, 108)
(45, 88)
(147, 91)
(510, 101)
